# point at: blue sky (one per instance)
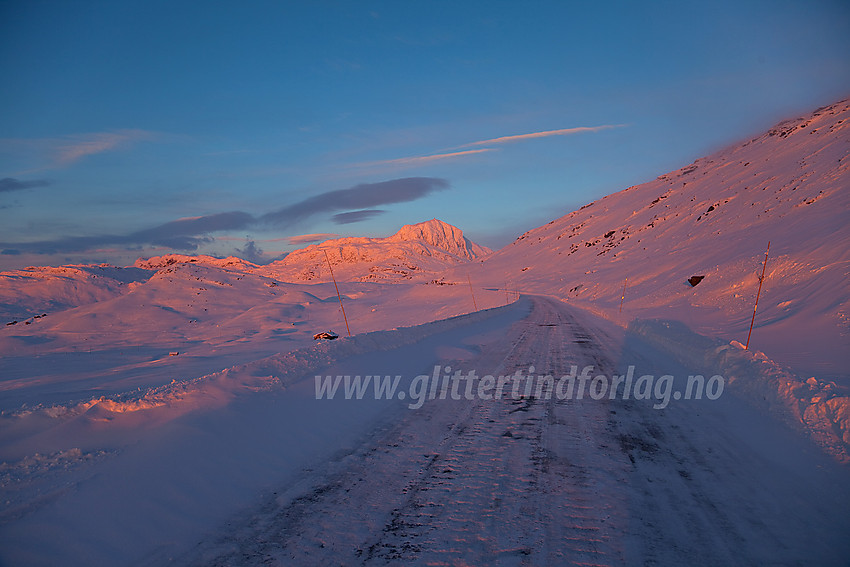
(133, 129)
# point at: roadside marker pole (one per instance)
(472, 292)
(758, 293)
(623, 298)
(338, 296)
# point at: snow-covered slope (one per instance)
(415, 253)
(714, 218)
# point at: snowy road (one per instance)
(557, 482)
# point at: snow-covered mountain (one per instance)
(714, 218)
(416, 252)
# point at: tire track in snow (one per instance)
(518, 486)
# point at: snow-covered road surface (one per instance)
(555, 482)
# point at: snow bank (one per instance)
(820, 407)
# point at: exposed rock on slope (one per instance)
(159, 262)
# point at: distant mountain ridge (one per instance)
(415, 253)
(159, 262)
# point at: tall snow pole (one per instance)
(623, 298)
(475, 305)
(338, 296)
(758, 293)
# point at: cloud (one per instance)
(311, 238)
(251, 252)
(412, 161)
(356, 216)
(169, 233)
(361, 196)
(11, 184)
(415, 160)
(182, 234)
(81, 145)
(190, 233)
(544, 134)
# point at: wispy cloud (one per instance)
(412, 161)
(79, 146)
(311, 238)
(543, 134)
(12, 184)
(416, 160)
(363, 196)
(356, 216)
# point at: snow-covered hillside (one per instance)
(39, 290)
(416, 252)
(714, 218)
